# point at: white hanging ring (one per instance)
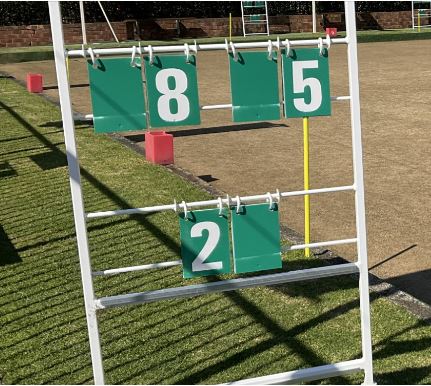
(238, 204)
(187, 52)
(92, 56)
(328, 41)
(320, 45)
(228, 201)
(270, 49)
(195, 47)
(226, 46)
(278, 195)
(175, 206)
(234, 53)
(278, 43)
(287, 44)
(220, 206)
(132, 62)
(184, 205)
(270, 200)
(150, 54)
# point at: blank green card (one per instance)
(254, 87)
(256, 238)
(117, 95)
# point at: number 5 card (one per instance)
(172, 90)
(306, 83)
(204, 243)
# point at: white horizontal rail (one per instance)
(305, 375)
(225, 285)
(174, 263)
(318, 245)
(232, 201)
(220, 106)
(199, 47)
(145, 267)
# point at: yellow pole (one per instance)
(419, 20)
(230, 26)
(306, 187)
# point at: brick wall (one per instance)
(34, 35)
(194, 27)
(38, 35)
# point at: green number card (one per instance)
(172, 90)
(117, 95)
(254, 87)
(306, 83)
(256, 238)
(204, 243)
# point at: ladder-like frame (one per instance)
(247, 18)
(94, 305)
(426, 12)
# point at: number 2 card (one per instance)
(205, 246)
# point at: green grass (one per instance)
(26, 54)
(207, 339)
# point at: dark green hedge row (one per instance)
(32, 12)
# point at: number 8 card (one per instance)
(172, 90)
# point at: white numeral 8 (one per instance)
(183, 103)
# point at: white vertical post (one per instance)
(267, 19)
(313, 12)
(76, 190)
(413, 14)
(355, 113)
(84, 31)
(243, 23)
(109, 24)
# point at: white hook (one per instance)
(175, 206)
(328, 41)
(92, 56)
(271, 202)
(320, 45)
(220, 206)
(184, 205)
(187, 52)
(226, 46)
(150, 54)
(234, 53)
(287, 44)
(195, 47)
(269, 49)
(132, 62)
(238, 204)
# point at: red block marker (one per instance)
(159, 147)
(35, 83)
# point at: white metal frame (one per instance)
(94, 305)
(246, 20)
(415, 15)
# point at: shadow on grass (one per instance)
(8, 255)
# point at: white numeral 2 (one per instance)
(299, 84)
(168, 94)
(213, 238)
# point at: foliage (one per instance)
(35, 12)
